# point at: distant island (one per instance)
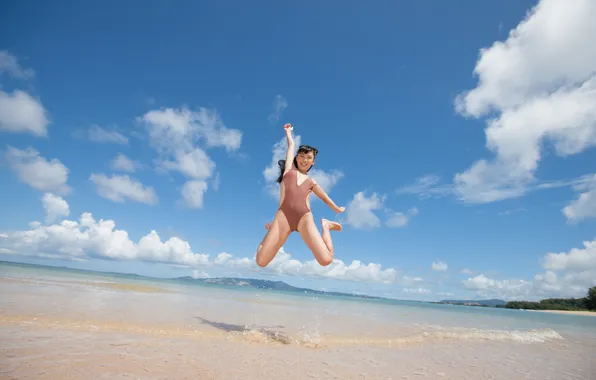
(483, 303)
(587, 303)
(268, 284)
(584, 304)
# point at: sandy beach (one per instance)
(65, 326)
(568, 312)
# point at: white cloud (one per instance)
(118, 188)
(359, 212)
(327, 180)
(89, 238)
(21, 113)
(396, 219)
(173, 130)
(503, 289)
(584, 206)
(192, 164)
(399, 219)
(279, 105)
(125, 164)
(175, 135)
(439, 266)
(193, 193)
(566, 274)
(98, 134)
(55, 206)
(467, 271)
(37, 172)
(417, 290)
(576, 260)
(10, 64)
(540, 96)
(199, 274)
(284, 264)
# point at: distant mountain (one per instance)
(268, 284)
(491, 302)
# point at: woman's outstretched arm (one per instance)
(290, 152)
(319, 192)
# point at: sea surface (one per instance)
(58, 323)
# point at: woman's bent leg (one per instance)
(276, 236)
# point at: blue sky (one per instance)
(398, 98)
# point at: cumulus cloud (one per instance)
(37, 172)
(122, 163)
(439, 266)
(569, 273)
(10, 64)
(192, 164)
(193, 193)
(284, 264)
(397, 219)
(199, 274)
(327, 180)
(173, 130)
(584, 206)
(279, 105)
(176, 134)
(55, 206)
(566, 274)
(21, 113)
(540, 97)
(360, 211)
(118, 188)
(88, 238)
(505, 289)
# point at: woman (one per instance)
(294, 212)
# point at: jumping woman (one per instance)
(293, 213)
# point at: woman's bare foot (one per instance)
(333, 226)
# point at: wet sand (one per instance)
(569, 312)
(71, 329)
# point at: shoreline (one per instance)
(572, 312)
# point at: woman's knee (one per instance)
(262, 260)
(324, 259)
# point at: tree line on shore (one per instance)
(570, 304)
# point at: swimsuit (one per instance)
(294, 204)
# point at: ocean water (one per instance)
(78, 324)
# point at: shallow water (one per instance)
(57, 323)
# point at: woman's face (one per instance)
(305, 160)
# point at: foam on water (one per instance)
(274, 336)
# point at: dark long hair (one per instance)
(301, 149)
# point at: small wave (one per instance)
(531, 336)
(312, 339)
